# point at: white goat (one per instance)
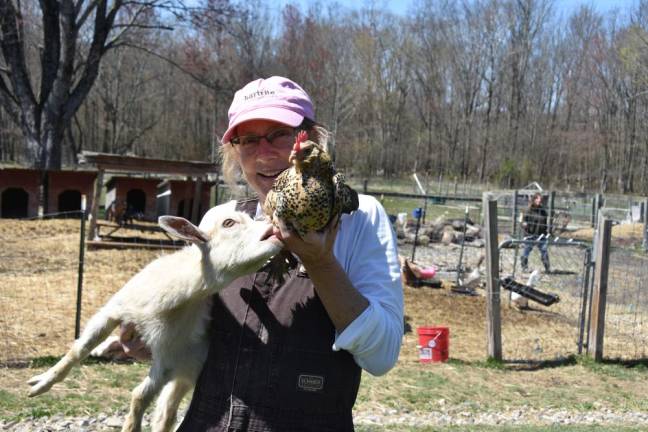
(168, 303)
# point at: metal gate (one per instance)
(559, 300)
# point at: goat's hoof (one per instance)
(40, 384)
(35, 379)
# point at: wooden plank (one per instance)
(99, 244)
(599, 295)
(111, 162)
(493, 316)
(430, 197)
(138, 227)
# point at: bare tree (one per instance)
(74, 37)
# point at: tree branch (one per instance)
(9, 102)
(195, 77)
(13, 50)
(82, 19)
(104, 20)
(52, 48)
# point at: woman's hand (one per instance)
(132, 344)
(315, 248)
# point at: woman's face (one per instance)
(537, 201)
(263, 162)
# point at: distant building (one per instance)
(19, 190)
(136, 195)
(66, 189)
(175, 197)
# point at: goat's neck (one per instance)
(213, 280)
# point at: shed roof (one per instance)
(113, 162)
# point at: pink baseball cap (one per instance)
(276, 98)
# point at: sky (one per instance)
(400, 7)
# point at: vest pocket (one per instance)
(315, 381)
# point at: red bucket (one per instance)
(433, 344)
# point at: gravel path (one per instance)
(454, 416)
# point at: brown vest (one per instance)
(270, 366)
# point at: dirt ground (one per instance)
(39, 264)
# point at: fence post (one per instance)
(514, 215)
(197, 198)
(494, 323)
(597, 203)
(599, 296)
(77, 323)
(216, 191)
(645, 226)
(92, 231)
(550, 215)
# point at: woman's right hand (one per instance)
(133, 346)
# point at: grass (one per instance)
(455, 386)
(468, 382)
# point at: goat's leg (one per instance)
(141, 398)
(98, 328)
(166, 409)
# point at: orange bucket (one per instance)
(433, 344)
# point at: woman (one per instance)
(535, 229)
(289, 357)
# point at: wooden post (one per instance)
(514, 214)
(599, 296)
(645, 225)
(98, 186)
(494, 323)
(597, 203)
(550, 211)
(195, 217)
(216, 186)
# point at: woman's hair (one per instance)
(533, 198)
(229, 163)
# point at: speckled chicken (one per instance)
(308, 195)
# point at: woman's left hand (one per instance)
(315, 248)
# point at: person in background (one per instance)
(288, 356)
(535, 227)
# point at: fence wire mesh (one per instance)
(562, 320)
(39, 266)
(626, 313)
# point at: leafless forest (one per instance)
(505, 91)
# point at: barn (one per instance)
(19, 191)
(66, 189)
(175, 197)
(136, 194)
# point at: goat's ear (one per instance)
(183, 229)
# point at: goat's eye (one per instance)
(228, 223)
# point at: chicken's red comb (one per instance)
(301, 137)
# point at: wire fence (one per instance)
(561, 304)
(39, 268)
(626, 313)
(40, 261)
